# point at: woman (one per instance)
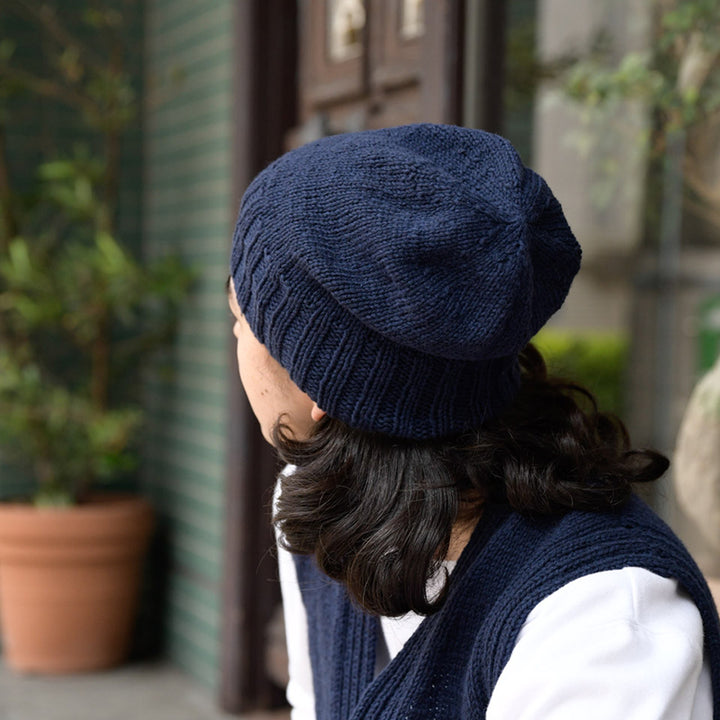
(464, 535)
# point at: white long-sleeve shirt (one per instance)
(615, 645)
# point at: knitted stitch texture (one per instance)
(397, 273)
(450, 665)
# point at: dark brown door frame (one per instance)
(464, 55)
(264, 89)
(442, 63)
(483, 84)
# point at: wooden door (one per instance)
(377, 63)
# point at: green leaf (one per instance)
(7, 49)
(19, 269)
(83, 192)
(113, 257)
(53, 496)
(57, 170)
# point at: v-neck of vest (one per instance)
(494, 515)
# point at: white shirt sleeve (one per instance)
(620, 644)
(300, 693)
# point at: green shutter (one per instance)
(188, 209)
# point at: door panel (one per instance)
(363, 64)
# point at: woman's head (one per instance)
(397, 274)
(393, 279)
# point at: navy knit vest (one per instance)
(448, 668)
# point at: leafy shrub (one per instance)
(596, 360)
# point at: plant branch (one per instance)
(46, 17)
(695, 64)
(49, 89)
(112, 149)
(100, 363)
(703, 210)
(703, 188)
(8, 222)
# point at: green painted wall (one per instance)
(188, 209)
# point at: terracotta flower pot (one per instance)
(69, 582)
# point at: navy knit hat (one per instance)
(396, 274)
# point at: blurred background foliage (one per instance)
(596, 360)
(79, 310)
(676, 79)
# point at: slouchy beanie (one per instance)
(396, 274)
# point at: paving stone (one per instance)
(133, 692)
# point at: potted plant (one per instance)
(78, 314)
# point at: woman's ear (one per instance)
(316, 413)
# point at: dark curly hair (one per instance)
(377, 511)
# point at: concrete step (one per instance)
(133, 692)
